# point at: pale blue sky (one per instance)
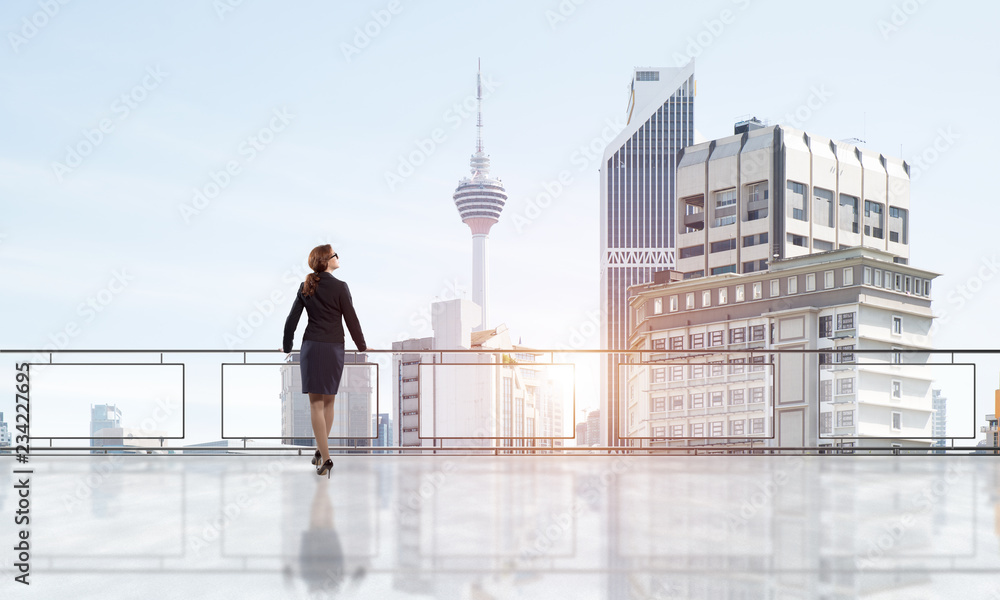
(323, 176)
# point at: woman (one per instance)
(321, 358)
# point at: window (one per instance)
(756, 395)
(736, 366)
(867, 280)
(845, 321)
(692, 251)
(757, 426)
(716, 429)
(827, 280)
(897, 325)
(846, 357)
(715, 338)
(723, 245)
(845, 418)
(677, 403)
(810, 282)
(877, 279)
(659, 375)
(826, 422)
(697, 341)
(756, 364)
(739, 293)
(715, 399)
(754, 266)
(897, 420)
(737, 335)
(689, 301)
(660, 344)
(874, 225)
(697, 371)
(647, 75)
(676, 431)
(822, 207)
(849, 276)
(716, 368)
(676, 373)
(754, 240)
(694, 213)
(826, 391)
(756, 201)
(724, 269)
(822, 245)
(927, 287)
(898, 280)
(677, 342)
(706, 298)
(897, 389)
(725, 208)
(737, 397)
(845, 385)
(793, 285)
(657, 404)
(723, 295)
(659, 432)
(775, 288)
(673, 304)
(848, 213)
(697, 400)
(826, 326)
(736, 427)
(697, 429)
(907, 286)
(796, 199)
(757, 291)
(798, 240)
(658, 306)
(897, 225)
(897, 356)
(757, 333)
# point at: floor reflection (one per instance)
(518, 527)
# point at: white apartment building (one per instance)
(352, 409)
(776, 192)
(470, 399)
(841, 301)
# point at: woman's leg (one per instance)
(320, 429)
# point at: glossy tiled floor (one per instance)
(509, 527)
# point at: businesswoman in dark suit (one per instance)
(321, 360)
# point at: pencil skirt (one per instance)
(321, 365)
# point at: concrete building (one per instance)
(637, 209)
(842, 300)
(776, 192)
(594, 429)
(104, 416)
(939, 422)
(469, 399)
(581, 434)
(479, 200)
(352, 409)
(5, 437)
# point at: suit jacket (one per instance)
(327, 308)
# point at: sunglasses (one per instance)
(334, 256)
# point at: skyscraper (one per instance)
(103, 416)
(5, 437)
(939, 422)
(480, 200)
(637, 209)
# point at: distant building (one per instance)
(581, 433)
(939, 421)
(105, 417)
(856, 298)
(483, 400)
(594, 428)
(5, 438)
(351, 410)
(382, 425)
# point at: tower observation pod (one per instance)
(479, 200)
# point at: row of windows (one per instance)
(737, 366)
(715, 429)
(845, 418)
(737, 335)
(898, 282)
(736, 397)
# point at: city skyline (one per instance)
(155, 217)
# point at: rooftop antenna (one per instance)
(479, 107)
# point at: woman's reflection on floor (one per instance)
(321, 559)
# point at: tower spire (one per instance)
(479, 107)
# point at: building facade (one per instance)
(5, 437)
(104, 416)
(637, 212)
(729, 386)
(939, 425)
(471, 399)
(777, 192)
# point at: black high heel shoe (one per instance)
(316, 458)
(325, 468)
